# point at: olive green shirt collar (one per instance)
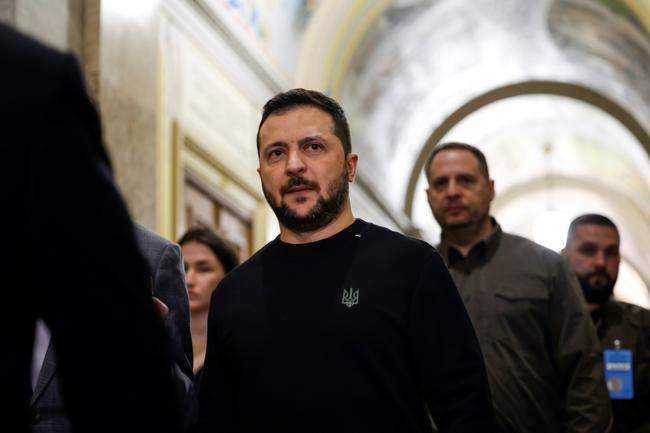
(479, 254)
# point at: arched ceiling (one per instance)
(420, 62)
(411, 73)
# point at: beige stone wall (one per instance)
(88, 46)
(54, 22)
(45, 20)
(7, 11)
(116, 44)
(68, 25)
(128, 91)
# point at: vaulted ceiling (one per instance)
(555, 92)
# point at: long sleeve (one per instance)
(447, 355)
(217, 395)
(578, 357)
(169, 287)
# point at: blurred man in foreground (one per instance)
(73, 258)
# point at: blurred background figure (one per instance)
(539, 345)
(73, 258)
(592, 249)
(208, 258)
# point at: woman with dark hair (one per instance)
(207, 258)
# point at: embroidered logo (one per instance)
(350, 297)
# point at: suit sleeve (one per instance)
(447, 356)
(217, 389)
(169, 286)
(114, 358)
(578, 357)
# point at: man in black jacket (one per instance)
(73, 258)
(337, 325)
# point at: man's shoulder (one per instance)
(236, 287)
(154, 246)
(522, 245)
(23, 74)
(149, 239)
(379, 240)
(524, 242)
(27, 92)
(634, 314)
(247, 270)
(26, 49)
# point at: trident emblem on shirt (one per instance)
(350, 297)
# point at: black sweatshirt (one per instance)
(360, 332)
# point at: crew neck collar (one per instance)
(350, 230)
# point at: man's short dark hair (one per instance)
(455, 145)
(225, 252)
(294, 98)
(590, 219)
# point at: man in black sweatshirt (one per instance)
(337, 325)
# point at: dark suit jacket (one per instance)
(72, 256)
(168, 278)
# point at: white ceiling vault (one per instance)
(555, 92)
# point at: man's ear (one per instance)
(352, 161)
(491, 186)
(428, 192)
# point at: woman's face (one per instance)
(203, 271)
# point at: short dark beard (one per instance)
(323, 213)
(458, 226)
(596, 295)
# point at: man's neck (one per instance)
(338, 224)
(592, 307)
(463, 239)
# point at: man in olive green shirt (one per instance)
(540, 347)
(592, 250)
